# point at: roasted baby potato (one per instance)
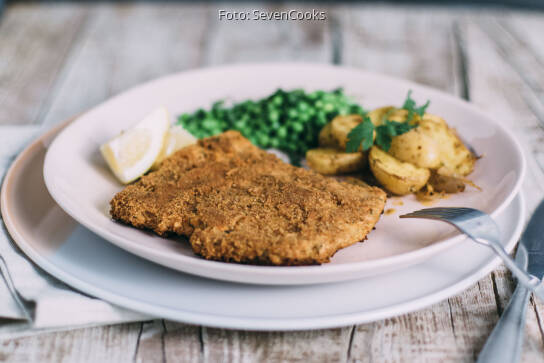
(416, 147)
(341, 127)
(331, 161)
(435, 119)
(453, 154)
(396, 176)
(326, 139)
(433, 145)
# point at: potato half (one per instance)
(434, 118)
(326, 138)
(332, 162)
(453, 154)
(341, 127)
(416, 147)
(396, 176)
(433, 145)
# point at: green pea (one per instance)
(288, 120)
(274, 116)
(209, 124)
(216, 131)
(282, 132)
(305, 117)
(274, 125)
(297, 127)
(263, 140)
(292, 113)
(274, 143)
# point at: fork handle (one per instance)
(530, 282)
(506, 340)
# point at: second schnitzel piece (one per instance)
(238, 203)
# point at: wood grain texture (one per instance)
(488, 57)
(161, 341)
(126, 44)
(34, 43)
(329, 345)
(100, 344)
(400, 41)
(497, 86)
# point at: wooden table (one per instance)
(57, 60)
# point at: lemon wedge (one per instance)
(133, 152)
(176, 138)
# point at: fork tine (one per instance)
(430, 211)
(418, 214)
(440, 212)
(425, 216)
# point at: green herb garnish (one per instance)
(411, 107)
(390, 129)
(363, 134)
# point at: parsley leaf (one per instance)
(421, 110)
(390, 129)
(409, 103)
(362, 134)
(411, 107)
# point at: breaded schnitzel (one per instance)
(238, 203)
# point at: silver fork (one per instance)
(26, 306)
(482, 229)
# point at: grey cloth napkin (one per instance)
(57, 306)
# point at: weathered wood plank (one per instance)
(449, 331)
(305, 346)
(161, 341)
(182, 342)
(517, 44)
(497, 87)
(149, 347)
(34, 42)
(100, 344)
(404, 338)
(401, 41)
(523, 57)
(124, 45)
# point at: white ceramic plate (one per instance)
(80, 182)
(72, 253)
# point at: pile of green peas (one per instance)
(286, 120)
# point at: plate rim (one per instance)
(282, 271)
(221, 321)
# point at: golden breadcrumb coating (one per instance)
(238, 203)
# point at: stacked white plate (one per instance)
(403, 266)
